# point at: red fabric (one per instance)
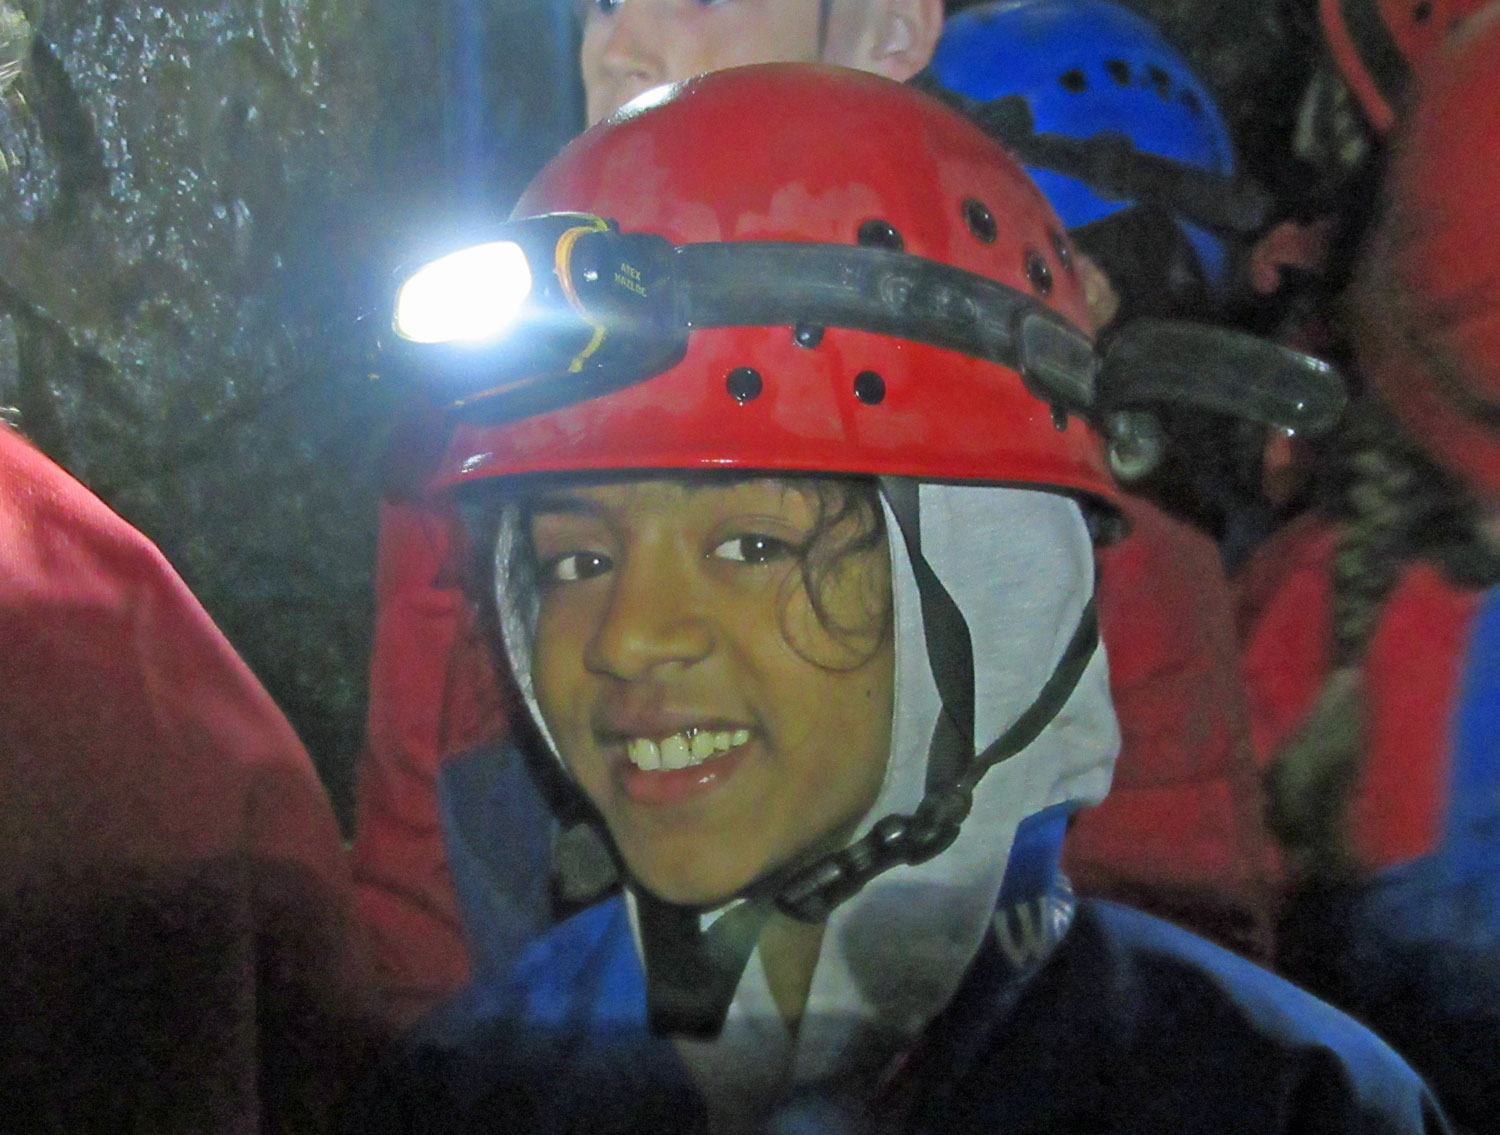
(1412, 673)
(1426, 306)
(173, 893)
(1180, 832)
(1408, 38)
(130, 725)
(432, 693)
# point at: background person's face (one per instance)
(675, 630)
(634, 45)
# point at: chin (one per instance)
(673, 887)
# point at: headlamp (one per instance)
(564, 307)
(472, 295)
(552, 310)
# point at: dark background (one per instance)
(203, 207)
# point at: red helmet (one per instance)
(851, 163)
(1427, 300)
(1379, 44)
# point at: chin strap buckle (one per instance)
(812, 894)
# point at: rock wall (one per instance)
(201, 204)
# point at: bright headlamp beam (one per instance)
(469, 296)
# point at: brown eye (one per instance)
(574, 567)
(754, 549)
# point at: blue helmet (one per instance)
(1090, 69)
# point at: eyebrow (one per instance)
(564, 503)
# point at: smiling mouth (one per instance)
(683, 750)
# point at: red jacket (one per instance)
(174, 948)
(433, 692)
(1180, 834)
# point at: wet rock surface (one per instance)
(201, 202)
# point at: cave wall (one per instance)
(201, 205)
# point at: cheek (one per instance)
(855, 602)
(850, 713)
(557, 667)
(589, 52)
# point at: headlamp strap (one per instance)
(692, 973)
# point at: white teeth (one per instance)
(644, 754)
(682, 750)
(676, 752)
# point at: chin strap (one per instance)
(953, 768)
(692, 973)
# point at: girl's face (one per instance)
(719, 724)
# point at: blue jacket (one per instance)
(1130, 1025)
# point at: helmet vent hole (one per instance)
(876, 233)
(1118, 70)
(980, 220)
(869, 388)
(807, 335)
(1038, 272)
(1192, 102)
(1422, 12)
(744, 384)
(1064, 252)
(1160, 82)
(1074, 81)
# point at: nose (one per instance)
(652, 623)
(631, 58)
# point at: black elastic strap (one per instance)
(861, 288)
(1377, 48)
(691, 974)
(1110, 164)
(950, 649)
(1049, 702)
